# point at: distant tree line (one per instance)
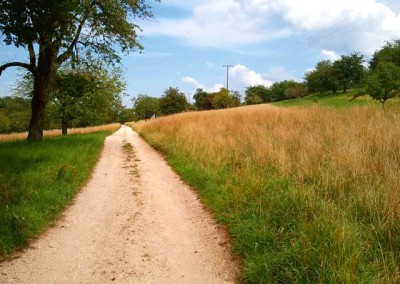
(174, 101)
(380, 80)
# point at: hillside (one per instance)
(338, 100)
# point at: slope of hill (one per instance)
(338, 100)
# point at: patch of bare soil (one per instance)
(134, 222)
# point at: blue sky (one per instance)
(188, 42)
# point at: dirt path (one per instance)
(135, 222)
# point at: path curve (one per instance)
(134, 222)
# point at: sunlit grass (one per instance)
(37, 181)
(57, 132)
(310, 195)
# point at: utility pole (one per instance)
(227, 75)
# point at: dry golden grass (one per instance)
(57, 132)
(341, 167)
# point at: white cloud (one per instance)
(279, 73)
(215, 88)
(246, 77)
(330, 55)
(196, 85)
(357, 25)
(193, 82)
(341, 25)
(220, 23)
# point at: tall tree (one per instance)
(388, 53)
(323, 78)
(349, 70)
(54, 31)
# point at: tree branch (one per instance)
(15, 64)
(70, 49)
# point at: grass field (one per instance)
(309, 195)
(37, 180)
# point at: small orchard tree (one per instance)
(223, 99)
(146, 107)
(384, 82)
(87, 96)
(253, 99)
(173, 101)
(257, 92)
(323, 78)
(296, 92)
(82, 94)
(17, 111)
(5, 124)
(54, 31)
(201, 99)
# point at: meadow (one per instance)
(309, 195)
(38, 180)
(57, 132)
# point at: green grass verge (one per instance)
(338, 100)
(38, 180)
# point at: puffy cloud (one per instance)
(357, 25)
(342, 25)
(246, 77)
(194, 83)
(221, 23)
(330, 55)
(279, 73)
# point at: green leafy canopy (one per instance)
(95, 25)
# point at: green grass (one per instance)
(338, 100)
(38, 180)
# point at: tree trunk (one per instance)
(42, 77)
(64, 127)
(38, 106)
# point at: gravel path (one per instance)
(134, 222)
